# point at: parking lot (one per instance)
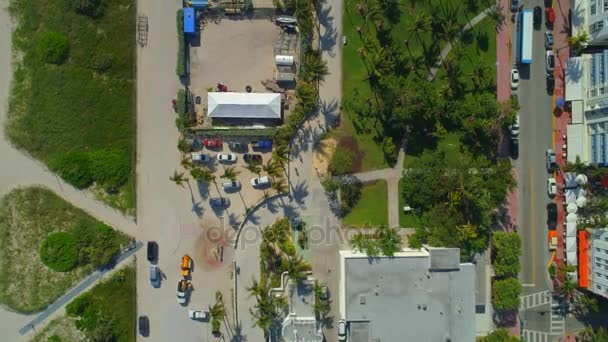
(234, 52)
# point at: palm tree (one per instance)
(315, 68)
(381, 62)
(417, 64)
(183, 145)
(579, 42)
(297, 269)
(271, 168)
(495, 14)
(420, 24)
(254, 168)
(279, 185)
(479, 75)
(178, 178)
(577, 167)
(186, 162)
(280, 155)
(584, 304)
(230, 173)
(567, 288)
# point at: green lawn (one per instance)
(88, 102)
(406, 220)
(372, 208)
(27, 217)
(450, 145)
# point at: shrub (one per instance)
(90, 8)
(215, 326)
(181, 105)
(350, 192)
(97, 244)
(342, 161)
(74, 167)
(59, 252)
(52, 47)
(110, 168)
(506, 294)
(100, 62)
(507, 248)
(54, 338)
(180, 67)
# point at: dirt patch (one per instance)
(351, 144)
(322, 153)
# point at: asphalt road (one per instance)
(536, 135)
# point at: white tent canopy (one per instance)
(228, 105)
(581, 179)
(571, 229)
(581, 201)
(571, 218)
(571, 244)
(571, 208)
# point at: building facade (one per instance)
(592, 17)
(598, 261)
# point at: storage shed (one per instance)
(228, 105)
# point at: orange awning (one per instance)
(583, 260)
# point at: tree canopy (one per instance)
(507, 249)
(506, 294)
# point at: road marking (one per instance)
(551, 259)
(528, 285)
(535, 300)
(533, 225)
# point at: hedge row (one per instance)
(254, 133)
(180, 67)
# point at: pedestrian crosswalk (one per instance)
(536, 336)
(557, 322)
(534, 300)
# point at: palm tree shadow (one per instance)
(300, 192)
(233, 220)
(271, 206)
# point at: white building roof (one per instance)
(574, 79)
(576, 144)
(230, 105)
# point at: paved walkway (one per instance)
(446, 49)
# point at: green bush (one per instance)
(54, 338)
(74, 167)
(101, 62)
(110, 168)
(181, 105)
(350, 193)
(52, 47)
(507, 250)
(59, 252)
(180, 67)
(506, 294)
(342, 161)
(91, 8)
(215, 326)
(97, 244)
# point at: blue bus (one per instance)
(524, 37)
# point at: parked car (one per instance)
(548, 40)
(514, 6)
(212, 143)
(236, 146)
(144, 325)
(219, 202)
(186, 266)
(198, 157)
(551, 161)
(549, 17)
(514, 128)
(342, 330)
(537, 17)
(183, 286)
(552, 240)
(551, 187)
(226, 157)
(231, 186)
(549, 61)
(252, 158)
(514, 148)
(550, 83)
(514, 79)
(289, 28)
(265, 144)
(262, 181)
(285, 19)
(154, 276)
(199, 315)
(152, 251)
(551, 215)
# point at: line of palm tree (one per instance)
(178, 178)
(315, 68)
(186, 162)
(279, 185)
(254, 167)
(420, 24)
(479, 75)
(495, 14)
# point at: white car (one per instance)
(199, 315)
(226, 157)
(262, 181)
(549, 62)
(548, 40)
(551, 187)
(198, 157)
(514, 128)
(514, 78)
(342, 330)
(230, 186)
(551, 161)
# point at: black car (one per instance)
(252, 158)
(550, 83)
(152, 251)
(514, 148)
(537, 17)
(552, 215)
(514, 6)
(144, 325)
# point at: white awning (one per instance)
(572, 258)
(572, 208)
(577, 112)
(575, 143)
(230, 105)
(571, 244)
(571, 218)
(574, 78)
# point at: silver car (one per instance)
(551, 160)
(548, 40)
(154, 276)
(231, 186)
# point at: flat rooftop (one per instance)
(416, 295)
